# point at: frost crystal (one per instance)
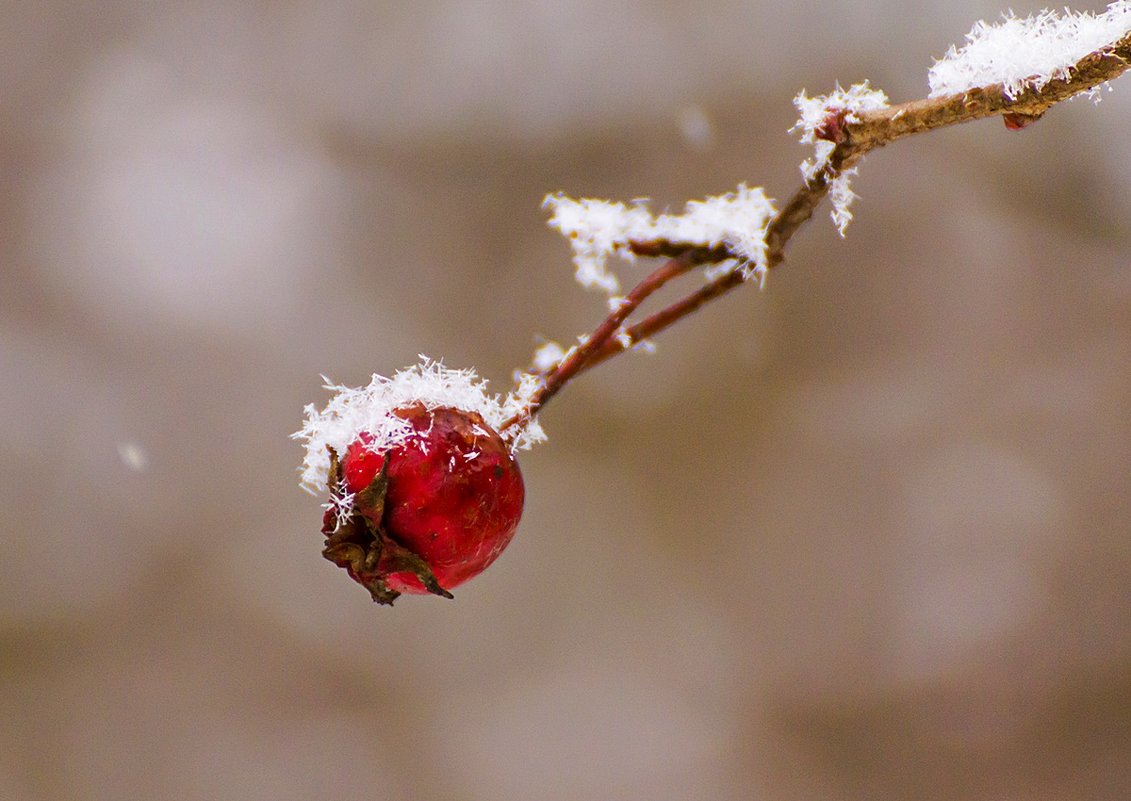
(548, 356)
(598, 229)
(1030, 52)
(526, 384)
(354, 410)
(814, 113)
(341, 503)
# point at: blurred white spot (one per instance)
(696, 128)
(133, 456)
(547, 356)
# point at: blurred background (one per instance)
(864, 534)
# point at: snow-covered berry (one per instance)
(424, 491)
(451, 494)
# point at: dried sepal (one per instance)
(360, 545)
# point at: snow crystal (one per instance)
(548, 356)
(516, 403)
(1029, 52)
(841, 195)
(814, 112)
(341, 503)
(369, 409)
(598, 229)
(696, 128)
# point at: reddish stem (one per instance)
(578, 358)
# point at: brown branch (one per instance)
(878, 128)
(853, 139)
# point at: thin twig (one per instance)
(609, 330)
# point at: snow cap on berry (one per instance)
(352, 411)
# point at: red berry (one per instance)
(453, 498)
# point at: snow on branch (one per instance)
(817, 115)
(1027, 53)
(1016, 70)
(598, 229)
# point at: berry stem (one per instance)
(578, 358)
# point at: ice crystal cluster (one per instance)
(814, 112)
(369, 409)
(1023, 53)
(598, 229)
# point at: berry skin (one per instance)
(430, 513)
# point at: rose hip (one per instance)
(438, 507)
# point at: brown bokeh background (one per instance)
(861, 535)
